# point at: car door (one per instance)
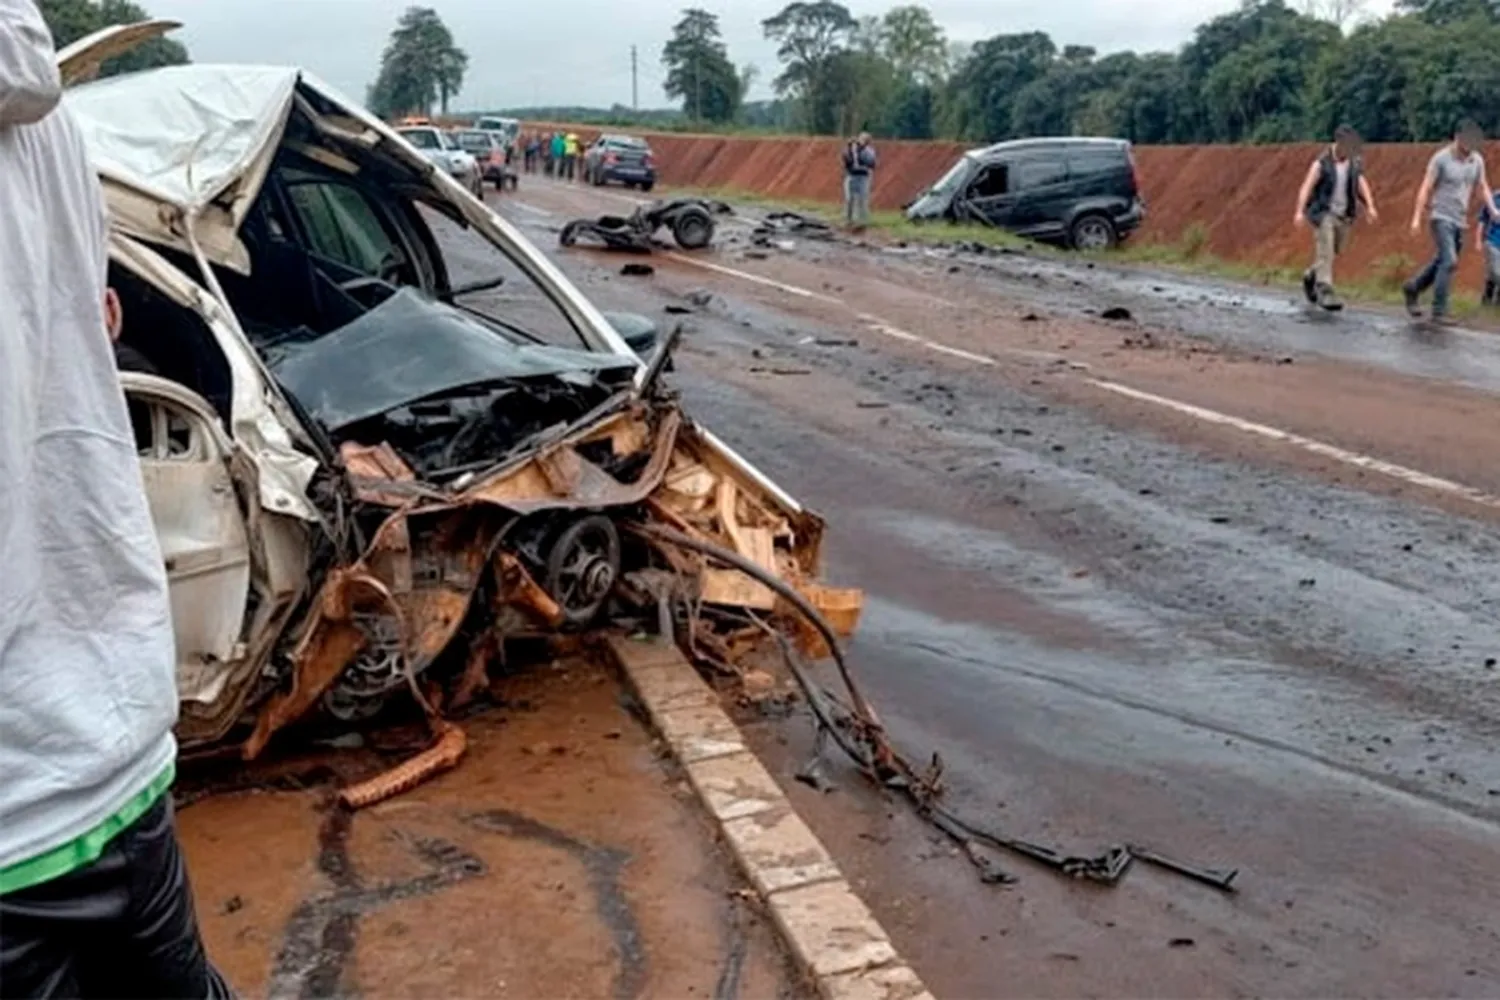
(989, 196)
(200, 525)
(1044, 194)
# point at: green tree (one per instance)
(984, 87)
(699, 72)
(70, 20)
(915, 44)
(420, 66)
(812, 37)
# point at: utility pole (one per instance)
(635, 91)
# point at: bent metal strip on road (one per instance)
(1368, 462)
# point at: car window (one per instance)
(1088, 162)
(993, 180)
(447, 141)
(423, 139)
(1039, 172)
(474, 142)
(343, 226)
(519, 304)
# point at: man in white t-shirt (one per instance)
(94, 897)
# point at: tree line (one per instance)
(1265, 72)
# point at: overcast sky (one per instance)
(577, 52)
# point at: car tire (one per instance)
(693, 229)
(647, 186)
(1092, 233)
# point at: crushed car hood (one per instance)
(410, 348)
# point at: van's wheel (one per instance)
(647, 186)
(1093, 232)
(693, 230)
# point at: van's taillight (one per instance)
(611, 158)
(650, 160)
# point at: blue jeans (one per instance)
(1448, 240)
(857, 199)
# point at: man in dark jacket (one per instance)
(1329, 202)
(859, 175)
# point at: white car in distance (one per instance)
(442, 151)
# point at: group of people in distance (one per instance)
(554, 154)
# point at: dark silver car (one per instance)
(620, 159)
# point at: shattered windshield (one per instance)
(953, 179)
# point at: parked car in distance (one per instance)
(1084, 193)
(507, 128)
(492, 153)
(622, 159)
(442, 151)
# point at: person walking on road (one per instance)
(94, 895)
(1444, 196)
(1329, 200)
(859, 175)
(559, 147)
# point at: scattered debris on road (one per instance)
(1117, 314)
(637, 270)
(691, 221)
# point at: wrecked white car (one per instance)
(380, 431)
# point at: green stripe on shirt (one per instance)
(85, 849)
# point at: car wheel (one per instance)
(647, 186)
(1093, 233)
(693, 230)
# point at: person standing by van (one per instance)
(1329, 202)
(1444, 197)
(859, 175)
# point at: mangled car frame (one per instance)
(379, 430)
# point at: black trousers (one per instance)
(122, 927)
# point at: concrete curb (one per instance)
(824, 922)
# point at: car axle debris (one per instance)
(691, 221)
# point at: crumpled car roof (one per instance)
(183, 133)
(410, 348)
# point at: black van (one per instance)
(1082, 192)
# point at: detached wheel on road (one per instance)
(693, 229)
(1093, 232)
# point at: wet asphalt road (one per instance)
(1118, 626)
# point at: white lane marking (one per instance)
(757, 279)
(1400, 472)
(1355, 459)
(532, 209)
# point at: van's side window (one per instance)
(1039, 173)
(993, 181)
(1089, 163)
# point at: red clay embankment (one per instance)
(1241, 196)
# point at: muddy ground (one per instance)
(563, 858)
(1119, 619)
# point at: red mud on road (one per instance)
(560, 859)
(1241, 196)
